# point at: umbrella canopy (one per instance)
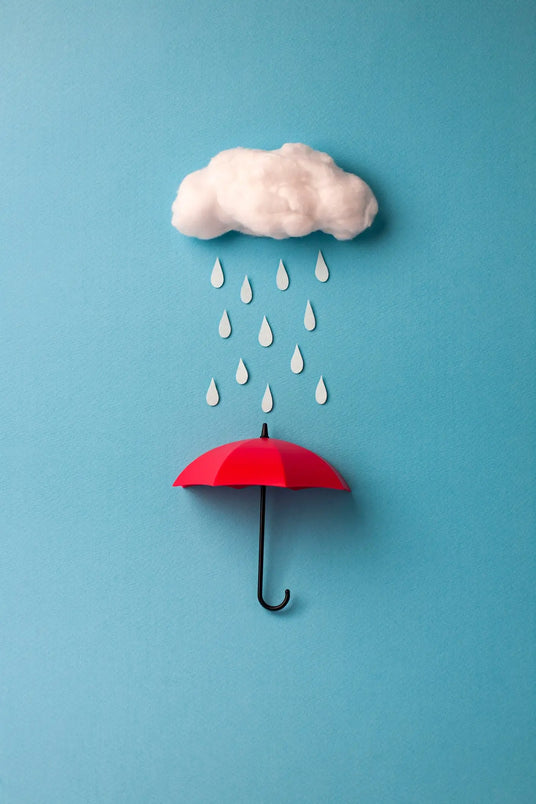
(262, 462)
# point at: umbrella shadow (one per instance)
(312, 517)
(237, 507)
(312, 520)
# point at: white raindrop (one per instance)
(321, 394)
(246, 294)
(225, 325)
(321, 270)
(309, 319)
(213, 396)
(242, 374)
(282, 281)
(217, 278)
(265, 333)
(296, 363)
(267, 401)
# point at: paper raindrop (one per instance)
(321, 270)
(216, 278)
(265, 333)
(296, 363)
(213, 396)
(321, 394)
(281, 279)
(225, 325)
(242, 375)
(309, 319)
(267, 401)
(246, 294)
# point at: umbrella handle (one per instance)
(261, 560)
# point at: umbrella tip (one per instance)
(264, 433)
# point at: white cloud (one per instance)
(289, 192)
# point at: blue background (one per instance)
(136, 664)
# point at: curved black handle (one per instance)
(274, 608)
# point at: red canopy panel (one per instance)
(261, 462)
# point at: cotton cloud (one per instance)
(289, 192)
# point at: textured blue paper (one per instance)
(136, 665)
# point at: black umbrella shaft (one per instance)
(261, 545)
(261, 560)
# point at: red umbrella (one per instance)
(262, 462)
